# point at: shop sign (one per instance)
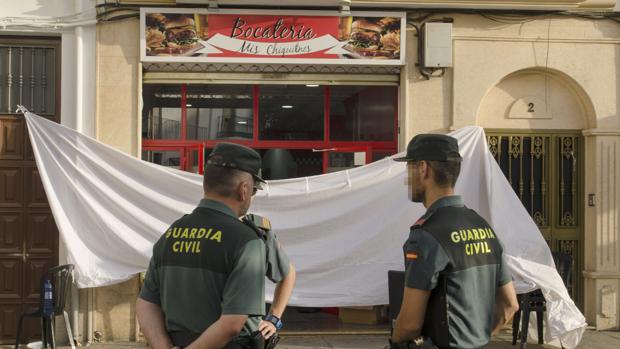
(196, 35)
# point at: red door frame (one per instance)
(184, 146)
(201, 158)
(185, 161)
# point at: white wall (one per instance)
(36, 8)
(73, 21)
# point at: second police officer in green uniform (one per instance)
(204, 287)
(457, 287)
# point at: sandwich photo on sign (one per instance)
(374, 38)
(171, 34)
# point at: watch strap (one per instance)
(274, 320)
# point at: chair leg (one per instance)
(52, 339)
(44, 335)
(525, 323)
(515, 326)
(539, 323)
(19, 331)
(68, 325)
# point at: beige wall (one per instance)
(118, 125)
(570, 65)
(118, 83)
(602, 226)
(582, 54)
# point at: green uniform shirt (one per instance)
(207, 264)
(453, 253)
(277, 265)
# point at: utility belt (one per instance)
(256, 341)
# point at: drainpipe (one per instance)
(79, 68)
(75, 312)
(79, 47)
(89, 324)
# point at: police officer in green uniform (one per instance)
(457, 287)
(204, 287)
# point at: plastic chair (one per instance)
(528, 302)
(60, 277)
(535, 301)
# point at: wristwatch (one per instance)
(418, 341)
(274, 320)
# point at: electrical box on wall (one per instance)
(437, 45)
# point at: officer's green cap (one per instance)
(432, 147)
(239, 157)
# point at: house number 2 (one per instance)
(530, 107)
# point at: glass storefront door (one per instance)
(339, 159)
(194, 159)
(165, 156)
(182, 122)
(186, 158)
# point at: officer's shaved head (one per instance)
(223, 181)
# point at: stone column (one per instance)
(602, 228)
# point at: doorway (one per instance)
(28, 233)
(545, 170)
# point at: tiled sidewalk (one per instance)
(591, 340)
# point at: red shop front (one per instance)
(313, 93)
(311, 129)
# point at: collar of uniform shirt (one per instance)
(218, 206)
(452, 200)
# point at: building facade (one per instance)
(541, 77)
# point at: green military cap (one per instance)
(432, 147)
(239, 157)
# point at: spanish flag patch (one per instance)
(411, 255)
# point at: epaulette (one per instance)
(420, 222)
(259, 224)
(259, 221)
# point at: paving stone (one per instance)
(591, 340)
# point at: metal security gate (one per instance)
(545, 172)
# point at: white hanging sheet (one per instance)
(343, 230)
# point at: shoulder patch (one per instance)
(411, 255)
(259, 221)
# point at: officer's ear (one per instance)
(424, 169)
(242, 190)
(245, 189)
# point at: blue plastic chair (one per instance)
(60, 277)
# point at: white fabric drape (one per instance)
(343, 231)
